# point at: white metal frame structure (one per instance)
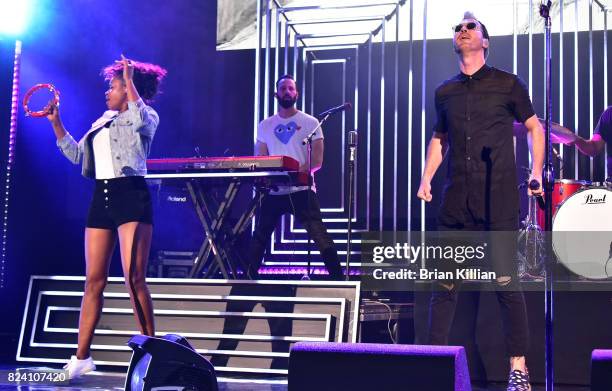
(285, 46)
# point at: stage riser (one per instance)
(241, 326)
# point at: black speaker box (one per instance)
(360, 366)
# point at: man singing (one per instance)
(282, 134)
(475, 111)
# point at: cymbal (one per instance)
(558, 134)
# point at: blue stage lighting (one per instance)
(14, 16)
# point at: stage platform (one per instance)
(241, 327)
(246, 328)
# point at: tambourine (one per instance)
(45, 110)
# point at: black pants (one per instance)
(308, 212)
(510, 297)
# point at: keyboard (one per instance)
(233, 163)
(277, 169)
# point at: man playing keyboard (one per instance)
(282, 134)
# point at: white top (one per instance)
(284, 136)
(102, 154)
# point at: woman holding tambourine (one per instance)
(113, 153)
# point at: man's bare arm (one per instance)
(436, 151)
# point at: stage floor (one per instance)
(115, 380)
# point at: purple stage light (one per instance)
(298, 270)
(11, 156)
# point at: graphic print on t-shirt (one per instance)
(284, 132)
(284, 135)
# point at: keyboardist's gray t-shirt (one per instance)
(284, 136)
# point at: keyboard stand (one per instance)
(218, 251)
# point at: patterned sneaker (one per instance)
(519, 381)
(76, 368)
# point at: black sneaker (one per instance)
(519, 381)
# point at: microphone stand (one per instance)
(308, 142)
(548, 179)
(352, 158)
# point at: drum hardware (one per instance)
(558, 133)
(608, 261)
(531, 250)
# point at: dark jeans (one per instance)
(510, 297)
(308, 212)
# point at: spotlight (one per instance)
(14, 16)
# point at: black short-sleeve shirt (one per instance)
(477, 113)
(604, 129)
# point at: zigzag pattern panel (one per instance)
(242, 327)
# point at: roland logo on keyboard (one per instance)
(172, 198)
(591, 199)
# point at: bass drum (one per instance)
(582, 233)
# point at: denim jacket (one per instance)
(131, 134)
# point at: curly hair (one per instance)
(147, 77)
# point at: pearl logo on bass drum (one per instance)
(592, 199)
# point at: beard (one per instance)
(286, 101)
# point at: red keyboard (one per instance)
(276, 169)
(236, 163)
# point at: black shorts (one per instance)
(118, 201)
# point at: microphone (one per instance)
(535, 185)
(352, 138)
(337, 109)
(352, 143)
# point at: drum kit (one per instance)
(581, 227)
